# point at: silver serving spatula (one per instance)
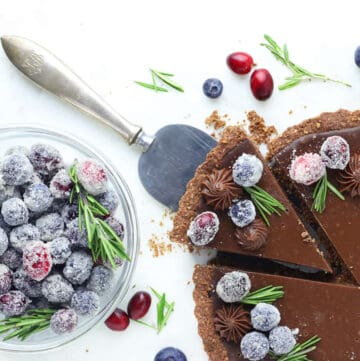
(169, 159)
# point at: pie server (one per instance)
(169, 158)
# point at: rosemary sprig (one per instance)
(299, 73)
(22, 327)
(165, 78)
(320, 193)
(300, 351)
(268, 294)
(163, 309)
(264, 202)
(103, 242)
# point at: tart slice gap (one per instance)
(234, 204)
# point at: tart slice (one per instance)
(336, 138)
(229, 216)
(233, 330)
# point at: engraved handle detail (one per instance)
(51, 74)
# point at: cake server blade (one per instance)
(169, 159)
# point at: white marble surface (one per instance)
(111, 43)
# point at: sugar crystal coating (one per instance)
(64, 320)
(335, 152)
(7, 191)
(11, 258)
(109, 200)
(307, 168)
(77, 237)
(38, 197)
(16, 169)
(264, 317)
(281, 340)
(85, 302)
(69, 212)
(78, 267)
(50, 226)
(60, 250)
(26, 284)
(37, 260)
(117, 226)
(247, 170)
(242, 213)
(233, 286)
(15, 212)
(61, 185)
(100, 279)
(56, 289)
(92, 176)
(4, 242)
(13, 303)
(21, 235)
(17, 149)
(5, 279)
(45, 159)
(254, 346)
(203, 228)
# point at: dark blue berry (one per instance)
(212, 88)
(170, 354)
(85, 303)
(242, 213)
(357, 56)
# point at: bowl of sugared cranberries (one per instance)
(68, 238)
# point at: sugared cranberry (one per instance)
(262, 84)
(13, 303)
(37, 260)
(118, 320)
(307, 168)
(335, 152)
(203, 228)
(92, 176)
(139, 305)
(240, 62)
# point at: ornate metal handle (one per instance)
(51, 74)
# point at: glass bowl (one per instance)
(72, 148)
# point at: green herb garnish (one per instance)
(320, 193)
(268, 294)
(264, 202)
(163, 309)
(103, 242)
(300, 351)
(299, 74)
(22, 327)
(164, 77)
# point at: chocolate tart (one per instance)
(287, 240)
(339, 224)
(328, 310)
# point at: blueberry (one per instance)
(170, 354)
(17, 149)
(85, 303)
(117, 226)
(233, 286)
(69, 212)
(16, 169)
(64, 320)
(38, 197)
(254, 346)
(5, 279)
(77, 238)
(109, 200)
(357, 56)
(242, 213)
(264, 317)
(57, 289)
(60, 250)
(7, 191)
(4, 241)
(247, 170)
(50, 226)
(15, 212)
(25, 284)
(212, 88)
(78, 267)
(20, 235)
(281, 340)
(11, 258)
(100, 279)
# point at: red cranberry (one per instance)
(261, 83)
(203, 228)
(118, 320)
(239, 62)
(139, 305)
(37, 260)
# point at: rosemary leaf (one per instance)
(268, 294)
(151, 86)
(164, 77)
(167, 81)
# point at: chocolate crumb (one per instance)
(260, 132)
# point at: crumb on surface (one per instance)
(216, 122)
(260, 132)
